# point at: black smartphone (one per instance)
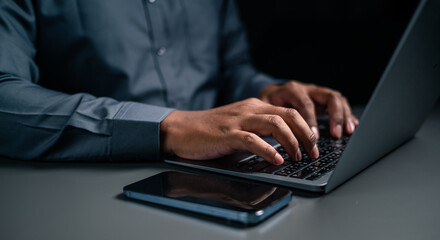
(233, 200)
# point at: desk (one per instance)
(396, 198)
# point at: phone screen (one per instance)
(247, 202)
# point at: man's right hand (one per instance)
(221, 131)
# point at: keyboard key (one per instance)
(306, 158)
(251, 162)
(258, 166)
(329, 167)
(272, 168)
(287, 162)
(325, 150)
(296, 175)
(314, 176)
(293, 167)
(324, 171)
(318, 164)
(303, 173)
(301, 163)
(283, 173)
(240, 164)
(326, 160)
(288, 170)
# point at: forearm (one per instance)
(38, 123)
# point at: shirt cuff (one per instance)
(136, 132)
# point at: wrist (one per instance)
(167, 127)
(267, 91)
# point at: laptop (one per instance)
(403, 98)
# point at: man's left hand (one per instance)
(310, 100)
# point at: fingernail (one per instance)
(315, 131)
(315, 152)
(338, 130)
(350, 126)
(277, 159)
(298, 155)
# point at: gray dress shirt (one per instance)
(93, 79)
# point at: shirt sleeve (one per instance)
(240, 79)
(42, 124)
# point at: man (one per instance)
(99, 80)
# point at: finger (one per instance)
(305, 106)
(348, 117)
(296, 123)
(335, 110)
(330, 99)
(299, 127)
(356, 120)
(248, 141)
(274, 125)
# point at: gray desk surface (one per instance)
(396, 198)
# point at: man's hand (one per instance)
(309, 100)
(220, 131)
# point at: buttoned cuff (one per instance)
(136, 132)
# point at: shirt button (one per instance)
(152, 1)
(161, 51)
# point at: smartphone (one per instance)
(230, 199)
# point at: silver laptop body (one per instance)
(403, 98)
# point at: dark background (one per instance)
(343, 44)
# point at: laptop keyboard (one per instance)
(330, 150)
